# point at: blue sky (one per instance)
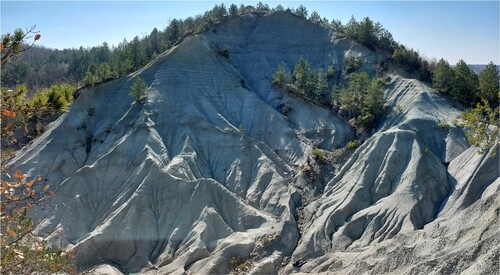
(450, 29)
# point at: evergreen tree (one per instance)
(279, 8)
(321, 88)
(301, 74)
(465, 84)
(279, 78)
(442, 77)
(301, 11)
(233, 10)
(489, 84)
(138, 91)
(315, 18)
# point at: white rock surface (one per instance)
(204, 172)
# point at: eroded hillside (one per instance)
(206, 176)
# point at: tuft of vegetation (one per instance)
(138, 91)
(237, 264)
(352, 144)
(320, 154)
(442, 124)
(285, 109)
(224, 52)
(352, 64)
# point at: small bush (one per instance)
(442, 124)
(319, 154)
(286, 109)
(353, 144)
(224, 52)
(237, 264)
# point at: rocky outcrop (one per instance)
(205, 177)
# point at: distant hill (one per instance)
(477, 68)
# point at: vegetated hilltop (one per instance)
(210, 173)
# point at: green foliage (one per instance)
(301, 74)
(482, 126)
(442, 124)
(321, 86)
(301, 11)
(13, 98)
(408, 59)
(279, 78)
(352, 144)
(362, 100)
(352, 64)
(304, 81)
(367, 33)
(320, 155)
(138, 91)
(285, 109)
(465, 84)
(443, 76)
(330, 73)
(489, 84)
(13, 44)
(237, 264)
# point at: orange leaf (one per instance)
(13, 140)
(46, 187)
(12, 233)
(28, 205)
(18, 175)
(8, 113)
(10, 133)
(30, 183)
(39, 179)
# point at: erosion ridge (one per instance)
(207, 170)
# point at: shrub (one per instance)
(352, 64)
(224, 52)
(353, 144)
(237, 264)
(286, 109)
(319, 154)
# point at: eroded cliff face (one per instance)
(206, 174)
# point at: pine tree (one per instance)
(321, 88)
(489, 84)
(465, 84)
(138, 90)
(442, 77)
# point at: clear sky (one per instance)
(450, 29)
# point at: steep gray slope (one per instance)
(396, 183)
(197, 174)
(203, 173)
